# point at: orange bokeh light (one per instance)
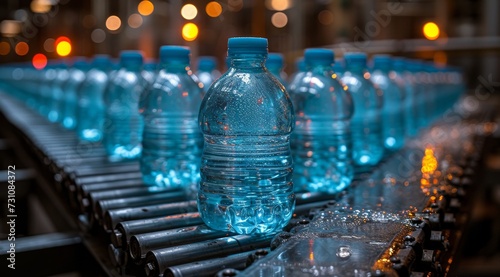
(39, 61)
(22, 48)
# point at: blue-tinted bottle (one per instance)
(246, 118)
(77, 73)
(172, 141)
(58, 94)
(207, 71)
(322, 138)
(123, 124)
(275, 63)
(393, 127)
(91, 102)
(49, 105)
(339, 68)
(404, 78)
(366, 123)
(150, 71)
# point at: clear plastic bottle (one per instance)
(366, 123)
(90, 100)
(404, 78)
(69, 109)
(246, 118)
(323, 108)
(172, 141)
(207, 71)
(393, 127)
(274, 64)
(58, 93)
(123, 124)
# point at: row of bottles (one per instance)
(245, 141)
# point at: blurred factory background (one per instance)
(463, 33)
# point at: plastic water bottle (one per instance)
(207, 71)
(76, 76)
(246, 118)
(403, 77)
(172, 141)
(339, 68)
(91, 103)
(274, 64)
(58, 95)
(393, 127)
(46, 80)
(300, 68)
(149, 72)
(323, 108)
(366, 124)
(123, 124)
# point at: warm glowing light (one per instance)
(61, 38)
(49, 45)
(10, 28)
(367, 75)
(279, 20)
(429, 162)
(431, 31)
(440, 59)
(145, 8)
(278, 5)
(325, 17)
(213, 9)
(135, 20)
(63, 48)
(4, 48)
(22, 48)
(189, 11)
(40, 6)
(39, 61)
(113, 23)
(189, 31)
(234, 5)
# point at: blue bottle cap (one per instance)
(300, 64)
(381, 61)
(275, 60)
(101, 60)
(131, 57)
(355, 58)
(174, 52)
(207, 63)
(399, 63)
(247, 45)
(319, 55)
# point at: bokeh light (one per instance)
(4, 48)
(145, 8)
(279, 20)
(189, 31)
(49, 45)
(213, 9)
(39, 61)
(431, 31)
(22, 48)
(40, 6)
(278, 5)
(135, 20)
(189, 11)
(113, 23)
(98, 35)
(234, 5)
(63, 48)
(325, 17)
